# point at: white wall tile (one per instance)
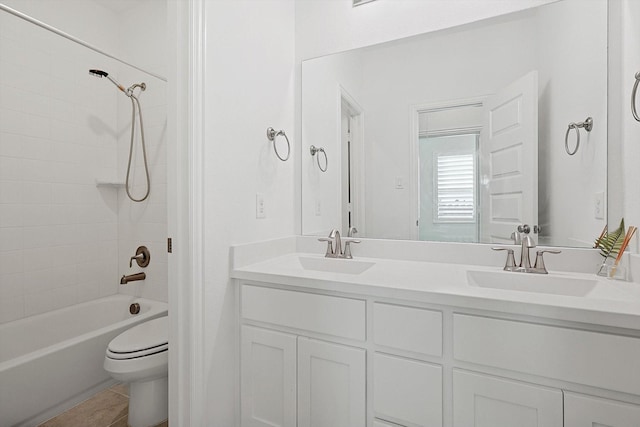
(11, 238)
(11, 215)
(50, 300)
(60, 130)
(11, 262)
(10, 191)
(11, 285)
(11, 308)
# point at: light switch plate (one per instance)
(260, 209)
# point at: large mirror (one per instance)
(463, 134)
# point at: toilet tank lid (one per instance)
(146, 335)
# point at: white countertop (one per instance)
(610, 303)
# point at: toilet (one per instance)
(139, 356)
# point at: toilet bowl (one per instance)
(139, 356)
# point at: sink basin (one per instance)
(345, 266)
(528, 282)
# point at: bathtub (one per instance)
(52, 361)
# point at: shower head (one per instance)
(100, 74)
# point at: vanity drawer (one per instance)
(591, 358)
(407, 391)
(408, 328)
(336, 316)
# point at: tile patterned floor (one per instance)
(109, 408)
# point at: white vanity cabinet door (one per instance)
(588, 411)
(408, 391)
(331, 385)
(484, 401)
(380, 423)
(268, 378)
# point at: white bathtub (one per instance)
(52, 361)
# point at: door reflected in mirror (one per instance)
(458, 135)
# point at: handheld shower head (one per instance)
(100, 74)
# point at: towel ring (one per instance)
(634, 91)
(272, 134)
(587, 125)
(314, 151)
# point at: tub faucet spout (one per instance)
(132, 278)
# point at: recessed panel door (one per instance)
(509, 160)
(485, 401)
(268, 378)
(331, 385)
(588, 411)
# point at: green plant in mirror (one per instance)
(610, 243)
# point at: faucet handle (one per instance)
(329, 245)
(347, 246)
(142, 257)
(510, 265)
(539, 265)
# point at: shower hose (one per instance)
(134, 103)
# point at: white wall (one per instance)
(630, 29)
(325, 27)
(58, 232)
(572, 87)
(249, 87)
(321, 115)
(85, 20)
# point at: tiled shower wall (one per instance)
(59, 135)
(144, 223)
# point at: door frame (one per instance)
(414, 151)
(355, 111)
(185, 200)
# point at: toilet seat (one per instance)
(142, 340)
(137, 354)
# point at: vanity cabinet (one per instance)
(331, 384)
(327, 359)
(381, 423)
(268, 378)
(291, 379)
(307, 360)
(589, 411)
(486, 401)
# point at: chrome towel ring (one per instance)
(315, 150)
(587, 125)
(634, 91)
(272, 134)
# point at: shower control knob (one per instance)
(142, 257)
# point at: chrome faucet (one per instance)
(348, 241)
(132, 278)
(526, 243)
(334, 244)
